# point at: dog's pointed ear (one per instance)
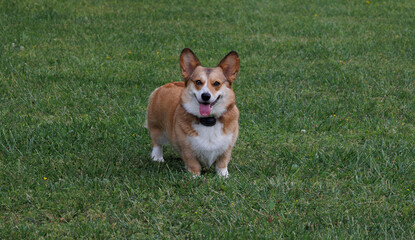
(188, 63)
(230, 65)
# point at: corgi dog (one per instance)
(198, 116)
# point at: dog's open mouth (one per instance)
(205, 108)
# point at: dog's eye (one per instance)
(198, 82)
(216, 83)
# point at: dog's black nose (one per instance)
(205, 96)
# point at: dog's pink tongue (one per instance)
(204, 109)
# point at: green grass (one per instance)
(74, 157)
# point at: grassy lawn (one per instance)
(326, 146)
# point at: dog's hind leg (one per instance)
(159, 139)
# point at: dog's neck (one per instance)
(208, 121)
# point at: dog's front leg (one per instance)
(222, 163)
(191, 162)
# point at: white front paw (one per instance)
(157, 154)
(222, 172)
(156, 159)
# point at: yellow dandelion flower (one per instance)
(315, 15)
(45, 178)
(334, 115)
(158, 52)
(368, 2)
(108, 57)
(129, 52)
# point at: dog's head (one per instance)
(208, 91)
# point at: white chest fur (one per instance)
(210, 143)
